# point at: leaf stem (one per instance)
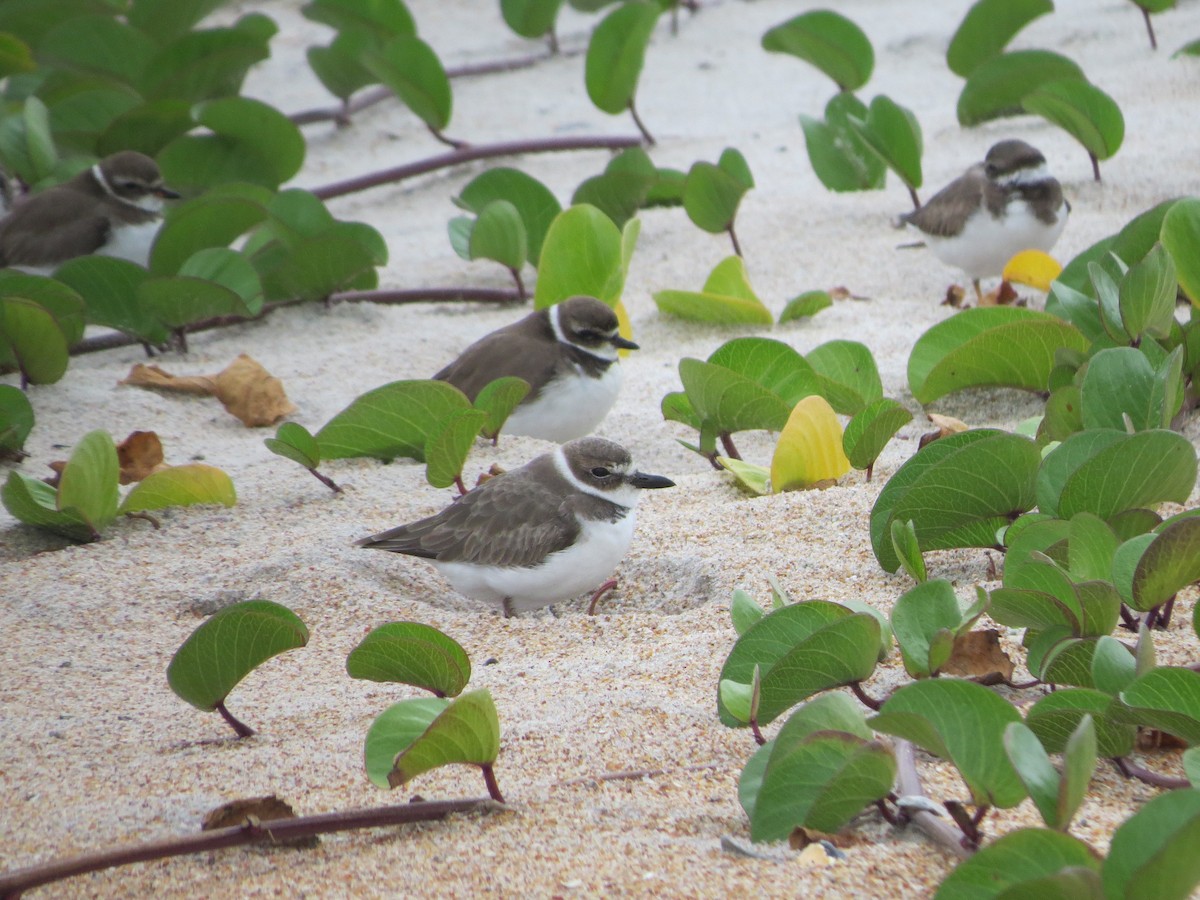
(757, 732)
(866, 699)
(13, 883)
(489, 778)
(912, 193)
(730, 450)
(1095, 166)
(327, 481)
(243, 730)
(1149, 31)
(1130, 769)
(641, 126)
(737, 248)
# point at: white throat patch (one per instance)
(606, 352)
(626, 495)
(152, 203)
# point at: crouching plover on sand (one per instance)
(1008, 203)
(567, 353)
(545, 532)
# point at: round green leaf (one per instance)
(869, 431)
(893, 133)
(997, 87)
(99, 45)
(1083, 111)
(390, 421)
(534, 201)
(1011, 861)
(164, 19)
(109, 287)
(466, 731)
(411, 68)
(34, 502)
(829, 41)
(712, 193)
(1181, 237)
(208, 63)
(188, 485)
(31, 339)
(616, 54)
(229, 646)
(848, 376)
(339, 66)
(498, 399)
(1153, 852)
(731, 402)
(411, 653)
(293, 441)
(1055, 717)
(147, 127)
(920, 614)
(394, 731)
(63, 303)
(530, 18)
(180, 300)
(582, 254)
(986, 30)
(448, 445)
(384, 17)
(805, 305)
(16, 419)
(499, 235)
(1166, 698)
(88, 485)
(1170, 563)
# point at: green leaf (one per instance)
(1181, 237)
(870, 430)
(188, 485)
(448, 445)
(339, 66)
(1166, 698)
(26, 144)
(315, 268)
(924, 621)
(63, 303)
(801, 649)
(805, 305)
(1083, 111)
(229, 646)
(986, 30)
(34, 502)
(499, 235)
(839, 156)
(385, 17)
(466, 731)
(15, 56)
(624, 187)
(534, 201)
(98, 45)
(530, 18)
(1079, 764)
(753, 479)
(1147, 294)
(412, 70)
(1015, 860)
(957, 491)
(1170, 563)
(908, 551)
(394, 730)
(497, 400)
(1191, 765)
(848, 376)
(582, 254)
(411, 653)
(208, 63)
(1105, 472)
(16, 419)
(964, 723)
(394, 420)
(109, 287)
(616, 54)
(31, 339)
(165, 19)
(1191, 48)
(744, 611)
(88, 485)
(829, 41)
(996, 346)
(212, 220)
(712, 193)
(229, 269)
(1055, 717)
(1113, 666)
(1153, 853)
(727, 298)
(147, 128)
(1120, 382)
(293, 441)
(731, 402)
(894, 134)
(177, 301)
(997, 87)
(1035, 771)
(250, 141)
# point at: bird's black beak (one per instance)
(624, 343)
(166, 193)
(642, 480)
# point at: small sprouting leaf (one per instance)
(1166, 698)
(752, 478)
(293, 441)
(908, 550)
(1181, 237)
(616, 54)
(466, 731)
(229, 646)
(1152, 853)
(390, 421)
(996, 346)
(869, 431)
(1015, 862)
(499, 235)
(829, 41)
(449, 443)
(1083, 111)
(188, 485)
(1055, 717)
(805, 305)
(744, 611)
(34, 502)
(534, 201)
(957, 491)
(582, 254)
(1169, 563)
(997, 87)
(411, 68)
(712, 193)
(986, 30)
(1077, 475)
(498, 399)
(411, 653)
(726, 298)
(394, 730)
(964, 723)
(809, 449)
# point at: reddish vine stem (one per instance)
(327, 481)
(471, 154)
(866, 699)
(243, 730)
(14, 883)
(1149, 31)
(489, 778)
(730, 450)
(758, 735)
(737, 248)
(1130, 769)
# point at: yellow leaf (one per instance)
(1033, 268)
(809, 448)
(624, 326)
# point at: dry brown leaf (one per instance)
(841, 292)
(151, 376)
(946, 426)
(253, 810)
(1004, 295)
(58, 465)
(140, 455)
(955, 296)
(978, 654)
(252, 393)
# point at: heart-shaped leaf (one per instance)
(466, 731)
(394, 730)
(1055, 717)
(497, 400)
(583, 253)
(448, 445)
(1083, 111)
(727, 298)
(925, 620)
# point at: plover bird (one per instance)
(113, 208)
(545, 532)
(567, 353)
(1008, 203)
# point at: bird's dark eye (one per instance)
(600, 472)
(593, 337)
(130, 185)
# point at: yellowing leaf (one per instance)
(624, 325)
(1032, 268)
(810, 447)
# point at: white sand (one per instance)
(96, 750)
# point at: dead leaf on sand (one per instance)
(140, 454)
(977, 654)
(247, 390)
(946, 426)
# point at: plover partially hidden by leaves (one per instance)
(545, 532)
(1008, 203)
(113, 208)
(567, 353)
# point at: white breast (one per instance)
(132, 242)
(569, 407)
(568, 573)
(986, 244)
